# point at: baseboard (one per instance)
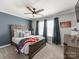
(5, 46)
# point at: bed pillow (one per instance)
(15, 33)
(18, 33)
(27, 33)
(21, 33)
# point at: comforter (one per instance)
(25, 42)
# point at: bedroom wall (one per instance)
(67, 17)
(5, 21)
(63, 16)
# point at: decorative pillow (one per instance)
(17, 33)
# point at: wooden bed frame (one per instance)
(33, 48)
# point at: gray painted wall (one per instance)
(5, 21)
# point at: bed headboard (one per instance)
(17, 27)
(23, 27)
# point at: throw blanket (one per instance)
(27, 41)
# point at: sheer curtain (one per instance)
(46, 28)
(50, 28)
(40, 27)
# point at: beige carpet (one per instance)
(48, 52)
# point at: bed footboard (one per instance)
(36, 47)
(33, 48)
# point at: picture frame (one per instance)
(65, 24)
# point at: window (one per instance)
(50, 27)
(41, 27)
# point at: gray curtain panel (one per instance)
(45, 30)
(36, 32)
(56, 38)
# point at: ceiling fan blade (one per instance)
(40, 10)
(40, 14)
(29, 9)
(27, 13)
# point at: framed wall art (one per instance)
(65, 24)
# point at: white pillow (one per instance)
(27, 33)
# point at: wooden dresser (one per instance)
(71, 47)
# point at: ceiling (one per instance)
(17, 7)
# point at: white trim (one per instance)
(5, 45)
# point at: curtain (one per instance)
(56, 38)
(45, 30)
(41, 27)
(36, 32)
